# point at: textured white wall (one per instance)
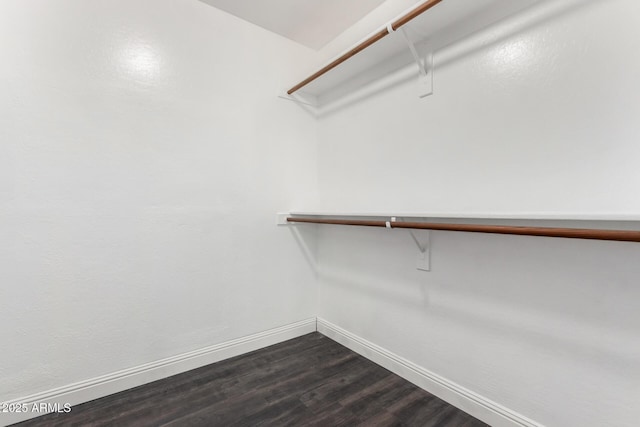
(143, 154)
(536, 115)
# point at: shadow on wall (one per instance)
(401, 291)
(532, 17)
(601, 347)
(475, 308)
(306, 238)
(457, 44)
(597, 346)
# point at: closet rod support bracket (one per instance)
(281, 219)
(425, 68)
(423, 258)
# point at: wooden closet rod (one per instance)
(368, 42)
(572, 233)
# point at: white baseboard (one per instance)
(480, 407)
(105, 385)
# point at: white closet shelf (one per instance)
(533, 216)
(626, 230)
(443, 23)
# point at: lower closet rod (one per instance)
(572, 233)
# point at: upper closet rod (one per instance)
(368, 42)
(573, 233)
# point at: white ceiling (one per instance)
(312, 23)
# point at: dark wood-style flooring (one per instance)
(307, 381)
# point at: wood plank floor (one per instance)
(307, 381)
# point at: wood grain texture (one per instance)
(307, 381)
(571, 233)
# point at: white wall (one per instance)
(143, 154)
(544, 100)
(536, 115)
